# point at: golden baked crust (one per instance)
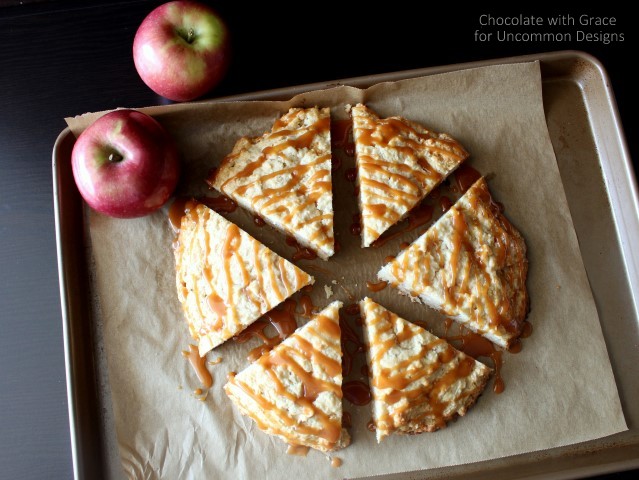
(399, 162)
(284, 176)
(295, 391)
(419, 382)
(225, 278)
(471, 265)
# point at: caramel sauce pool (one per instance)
(356, 392)
(341, 136)
(351, 174)
(352, 309)
(352, 345)
(465, 176)
(376, 287)
(445, 203)
(301, 253)
(221, 203)
(356, 226)
(347, 420)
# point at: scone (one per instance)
(419, 382)
(295, 391)
(284, 177)
(471, 265)
(399, 162)
(225, 278)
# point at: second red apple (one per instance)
(181, 50)
(125, 164)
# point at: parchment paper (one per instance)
(559, 389)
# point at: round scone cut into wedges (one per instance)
(225, 278)
(295, 391)
(399, 162)
(471, 265)
(284, 177)
(419, 382)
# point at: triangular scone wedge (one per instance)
(418, 381)
(295, 391)
(471, 265)
(225, 278)
(399, 162)
(284, 177)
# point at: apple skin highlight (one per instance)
(181, 50)
(125, 164)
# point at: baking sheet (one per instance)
(525, 349)
(447, 105)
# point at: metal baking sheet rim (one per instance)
(621, 188)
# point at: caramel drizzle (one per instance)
(257, 261)
(188, 219)
(415, 177)
(488, 314)
(271, 203)
(288, 357)
(299, 450)
(231, 246)
(199, 366)
(449, 368)
(182, 205)
(217, 309)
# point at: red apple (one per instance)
(125, 164)
(181, 50)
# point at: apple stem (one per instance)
(115, 157)
(187, 35)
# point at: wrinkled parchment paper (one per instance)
(559, 389)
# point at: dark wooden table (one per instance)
(61, 58)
